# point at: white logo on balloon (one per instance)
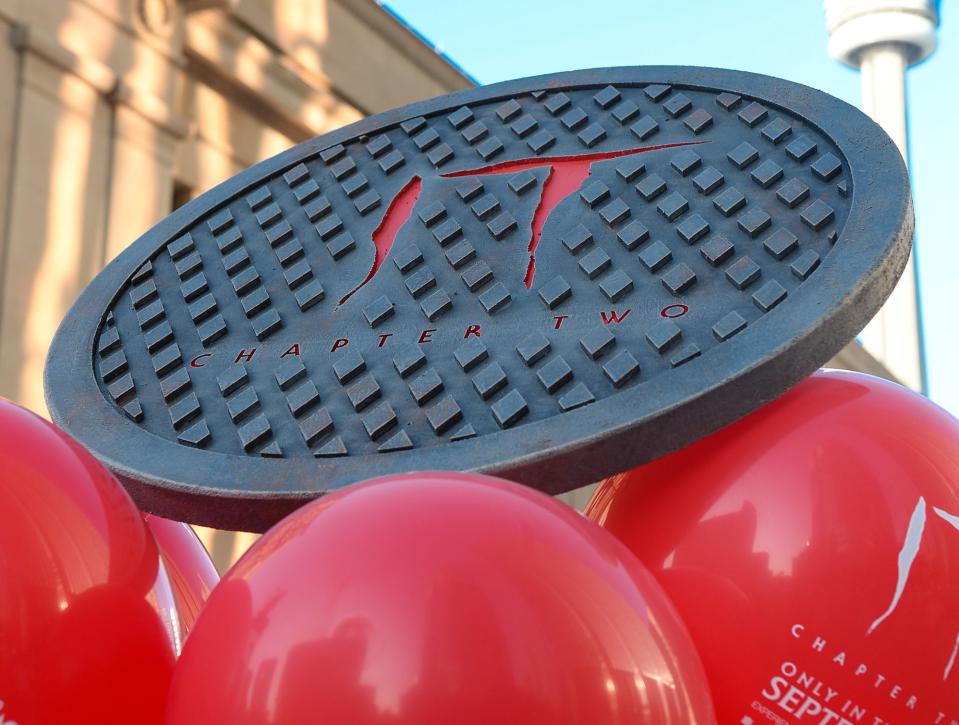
(3, 719)
(907, 555)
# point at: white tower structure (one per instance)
(882, 38)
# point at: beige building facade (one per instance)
(114, 112)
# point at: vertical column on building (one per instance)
(54, 228)
(144, 146)
(8, 114)
(90, 168)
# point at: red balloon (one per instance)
(438, 598)
(86, 611)
(191, 571)
(812, 549)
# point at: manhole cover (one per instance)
(551, 279)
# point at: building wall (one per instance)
(109, 106)
(114, 111)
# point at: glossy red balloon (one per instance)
(191, 571)
(813, 551)
(438, 598)
(86, 611)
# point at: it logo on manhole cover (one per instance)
(551, 279)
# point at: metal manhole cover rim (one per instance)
(790, 348)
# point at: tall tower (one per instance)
(882, 38)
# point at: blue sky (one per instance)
(495, 40)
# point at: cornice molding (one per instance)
(407, 43)
(100, 77)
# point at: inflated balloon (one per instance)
(191, 571)
(438, 598)
(813, 551)
(87, 621)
